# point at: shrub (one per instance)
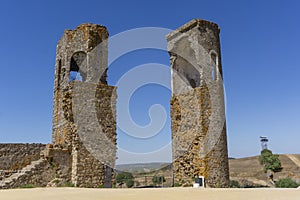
(125, 177)
(234, 184)
(129, 183)
(158, 180)
(27, 186)
(67, 184)
(286, 183)
(177, 185)
(270, 161)
(273, 164)
(264, 155)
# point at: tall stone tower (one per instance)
(84, 120)
(197, 105)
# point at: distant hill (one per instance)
(248, 171)
(141, 167)
(144, 172)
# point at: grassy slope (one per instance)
(249, 169)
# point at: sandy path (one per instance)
(294, 159)
(149, 194)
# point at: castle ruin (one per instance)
(83, 149)
(197, 105)
(84, 105)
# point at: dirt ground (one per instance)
(149, 194)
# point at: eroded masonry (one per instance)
(197, 105)
(84, 120)
(83, 148)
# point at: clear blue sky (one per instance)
(260, 47)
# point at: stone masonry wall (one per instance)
(87, 171)
(197, 105)
(84, 39)
(90, 110)
(194, 152)
(14, 157)
(38, 174)
(84, 122)
(60, 161)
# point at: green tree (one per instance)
(129, 183)
(264, 155)
(125, 177)
(286, 183)
(273, 164)
(270, 161)
(158, 180)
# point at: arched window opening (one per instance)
(74, 75)
(78, 67)
(213, 57)
(188, 73)
(59, 73)
(213, 73)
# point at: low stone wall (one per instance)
(14, 157)
(37, 174)
(52, 166)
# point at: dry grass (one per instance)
(250, 169)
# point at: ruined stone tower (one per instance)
(197, 105)
(84, 123)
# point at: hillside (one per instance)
(141, 167)
(249, 170)
(144, 172)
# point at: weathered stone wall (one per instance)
(60, 159)
(94, 146)
(197, 105)
(91, 40)
(14, 157)
(38, 174)
(194, 152)
(87, 171)
(84, 110)
(46, 164)
(93, 111)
